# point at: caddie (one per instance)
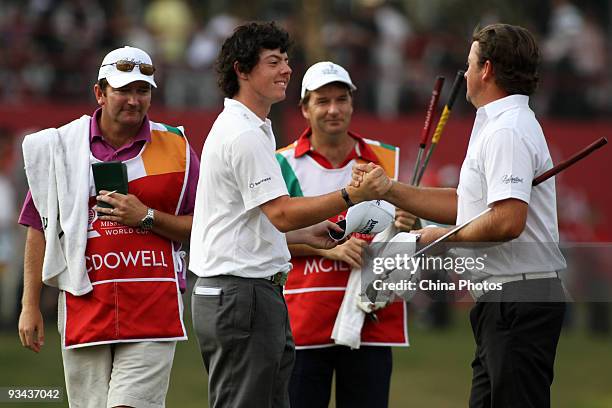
(119, 269)
(318, 162)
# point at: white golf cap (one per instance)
(117, 78)
(323, 73)
(369, 217)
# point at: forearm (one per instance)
(434, 204)
(301, 212)
(480, 230)
(173, 227)
(505, 221)
(32, 268)
(304, 250)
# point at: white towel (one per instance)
(349, 321)
(57, 165)
(350, 318)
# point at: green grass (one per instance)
(433, 372)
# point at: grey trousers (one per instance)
(245, 339)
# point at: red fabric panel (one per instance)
(148, 310)
(165, 186)
(387, 330)
(91, 317)
(123, 311)
(310, 316)
(316, 271)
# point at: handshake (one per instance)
(369, 182)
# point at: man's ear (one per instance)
(239, 74)
(304, 111)
(487, 71)
(99, 94)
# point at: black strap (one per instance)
(347, 199)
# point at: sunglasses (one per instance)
(128, 66)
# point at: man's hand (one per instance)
(404, 221)
(317, 236)
(128, 209)
(349, 252)
(31, 329)
(369, 182)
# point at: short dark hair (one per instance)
(103, 84)
(244, 47)
(304, 101)
(514, 54)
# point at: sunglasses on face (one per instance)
(128, 66)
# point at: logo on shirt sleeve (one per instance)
(510, 179)
(256, 183)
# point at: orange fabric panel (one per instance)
(162, 155)
(387, 159)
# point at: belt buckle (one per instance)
(280, 278)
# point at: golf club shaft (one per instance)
(433, 102)
(568, 162)
(442, 122)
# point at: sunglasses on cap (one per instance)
(128, 66)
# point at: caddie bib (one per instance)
(133, 272)
(316, 285)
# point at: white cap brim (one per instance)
(120, 79)
(323, 73)
(328, 79)
(368, 217)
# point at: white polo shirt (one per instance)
(230, 234)
(507, 150)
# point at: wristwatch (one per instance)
(147, 222)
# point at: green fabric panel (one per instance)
(173, 129)
(387, 146)
(293, 184)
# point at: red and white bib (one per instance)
(316, 285)
(135, 294)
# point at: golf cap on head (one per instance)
(369, 217)
(323, 73)
(117, 78)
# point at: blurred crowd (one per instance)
(49, 49)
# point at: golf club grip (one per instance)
(435, 96)
(455, 89)
(568, 162)
(448, 107)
